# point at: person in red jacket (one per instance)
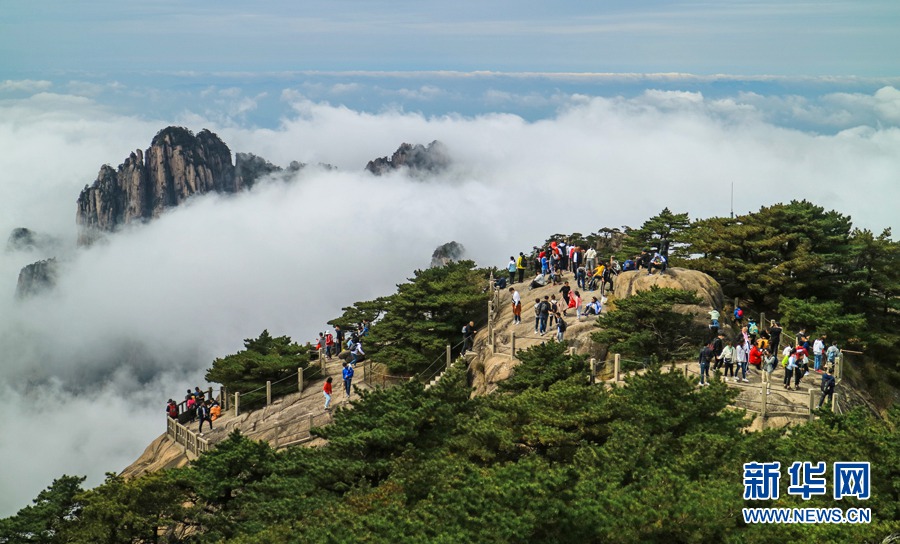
(755, 356)
(326, 390)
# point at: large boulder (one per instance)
(707, 288)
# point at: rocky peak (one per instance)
(176, 166)
(419, 159)
(37, 278)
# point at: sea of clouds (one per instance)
(86, 368)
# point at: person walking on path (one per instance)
(203, 414)
(326, 391)
(511, 268)
(468, 332)
(516, 306)
(357, 353)
(348, 378)
(543, 310)
(828, 383)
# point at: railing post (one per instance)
(617, 360)
(812, 403)
(268, 392)
(512, 345)
(762, 325)
(491, 314)
(593, 371)
(449, 359)
(309, 424)
(237, 403)
(300, 378)
(765, 401)
(209, 393)
(223, 398)
(686, 371)
(834, 401)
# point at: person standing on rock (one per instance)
(326, 391)
(516, 306)
(706, 357)
(348, 378)
(511, 268)
(468, 332)
(590, 258)
(658, 262)
(565, 289)
(520, 266)
(774, 336)
(560, 327)
(203, 414)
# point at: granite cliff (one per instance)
(177, 165)
(419, 159)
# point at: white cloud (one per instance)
(24, 85)
(150, 309)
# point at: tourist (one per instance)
(468, 332)
(790, 365)
(832, 354)
(714, 321)
(338, 339)
(706, 356)
(818, 352)
(774, 336)
(828, 384)
(203, 414)
(657, 262)
(215, 411)
(537, 315)
(357, 353)
(516, 306)
(741, 355)
(348, 378)
(728, 356)
(172, 409)
(511, 268)
(326, 391)
(560, 327)
(543, 314)
(520, 266)
(565, 290)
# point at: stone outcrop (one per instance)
(443, 254)
(707, 288)
(418, 159)
(37, 278)
(176, 166)
(23, 239)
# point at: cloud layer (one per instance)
(87, 368)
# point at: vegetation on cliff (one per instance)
(543, 461)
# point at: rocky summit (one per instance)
(418, 159)
(176, 166)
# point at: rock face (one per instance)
(443, 254)
(417, 158)
(37, 278)
(22, 239)
(707, 288)
(176, 166)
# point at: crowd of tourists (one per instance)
(762, 351)
(196, 406)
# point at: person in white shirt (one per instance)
(516, 306)
(818, 352)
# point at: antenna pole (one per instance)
(732, 199)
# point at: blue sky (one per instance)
(857, 37)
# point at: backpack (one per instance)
(543, 307)
(738, 313)
(753, 328)
(329, 339)
(562, 325)
(464, 329)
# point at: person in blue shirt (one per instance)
(348, 378)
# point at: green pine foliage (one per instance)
(647, 325)
(265, 358)
(666, 229)
(657, 460)
(413, 326)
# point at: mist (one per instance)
(87, 367)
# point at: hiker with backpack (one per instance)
(520, 266)
(172, 409)
(738, 315)
(329, 345)
(543, 312)
(728, 356)
(827, 387)
(560, 327)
